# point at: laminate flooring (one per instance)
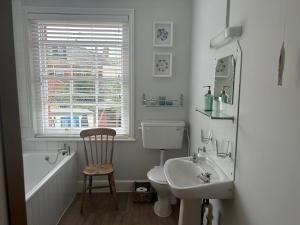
(99, 210)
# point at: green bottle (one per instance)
(223, 95)
(208, 100)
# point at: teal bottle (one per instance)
(223, 95)
(208, 100)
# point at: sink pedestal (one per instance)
(190, 212)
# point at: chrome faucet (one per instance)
(203, 149)
(66, 150)
(195, 156)
(205, 177)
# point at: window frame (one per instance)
(42, 13)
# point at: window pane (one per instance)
(82, 76)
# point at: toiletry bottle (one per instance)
(223, 95)
(220, 104)
(208, 100)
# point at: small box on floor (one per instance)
(143, 192)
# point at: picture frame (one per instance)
(162, 64)
(163, 34)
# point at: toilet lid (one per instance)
(157, 175)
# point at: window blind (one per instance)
(81, 76)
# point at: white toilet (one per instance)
(162, 135)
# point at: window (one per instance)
(81, 74)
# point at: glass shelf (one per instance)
(216, 115)
(162, 106)
(165, 103)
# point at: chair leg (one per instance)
(113, 189)
(109, 181)
(83, 193)
(90, 184)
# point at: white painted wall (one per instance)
(130, 159)
(3, 206)
(267, 180)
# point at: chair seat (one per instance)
(94, 170)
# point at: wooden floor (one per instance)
(99, 210)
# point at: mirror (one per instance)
(224, 79)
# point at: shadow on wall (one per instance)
(232, 208)
(131, 160)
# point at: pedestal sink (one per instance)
(192, 181)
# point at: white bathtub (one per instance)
(49, 188)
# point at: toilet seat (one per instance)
(157, 175)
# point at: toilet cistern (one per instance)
(162, 135)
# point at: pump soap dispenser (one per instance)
(208, 100)
(223, 95)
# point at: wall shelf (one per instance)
(162, 103)
(161, 106)
(216, 115)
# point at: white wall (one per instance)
(131, 160)
(267, 180)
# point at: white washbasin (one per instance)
(185, 181)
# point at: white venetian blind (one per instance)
(81, 76)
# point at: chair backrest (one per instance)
(98, 145)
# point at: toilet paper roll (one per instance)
(141, 189)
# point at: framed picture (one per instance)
(163, 34)
(162, 64)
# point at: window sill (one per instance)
(117, 139)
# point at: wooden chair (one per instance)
(98, 149)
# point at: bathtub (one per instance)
(49, 189)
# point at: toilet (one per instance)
(162, 135)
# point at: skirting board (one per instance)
(121, 185)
